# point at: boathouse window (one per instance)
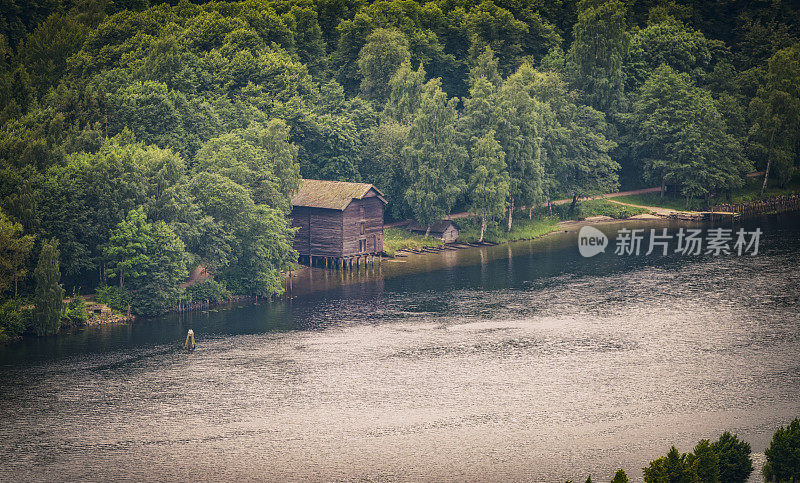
(362, 227)
(362, 245)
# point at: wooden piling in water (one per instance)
(189, 344)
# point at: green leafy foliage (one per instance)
(598, 52)
(207, 290)
(14, 320)
(727, 459)
(150, 258)
(116, 297)
(379, 59)
(668, 42)
(201, 118)
(681, 138)
(15, 249)
(735, 464)
(620, 477)
(49, 293)
(776, 114)
(74, 312)
(783, 454)
(433, 157)
(489, 181)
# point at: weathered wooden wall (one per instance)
(333, 233)
(300, 220)
(320, 232)
(368, 211)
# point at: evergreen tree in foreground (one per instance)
(49, 293)
(783, 454)
(620, 477)
(725, 460)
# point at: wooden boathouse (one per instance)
(445, 230)
(340, 223)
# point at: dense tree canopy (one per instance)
(724, 460)
(682, 138)
(193, 122)
(783, 454)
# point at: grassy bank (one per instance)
(600, 207)
(752, 189)
(669, 202)
(523, 228)
(749, 192)
(395, 239)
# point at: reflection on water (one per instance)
(521, 361)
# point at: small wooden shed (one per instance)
(337, 220)
(445, 230)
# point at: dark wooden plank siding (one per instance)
(331, 232)
(320, 231)
(369, 240)
(300, 220)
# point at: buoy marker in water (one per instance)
(189, 344)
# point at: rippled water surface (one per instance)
(511, 362)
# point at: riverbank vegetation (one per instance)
(150, 139)
(523, 229)
(395, 239)
(751, 190)
(542, 220)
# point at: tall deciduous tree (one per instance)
(578, 161)
(127, 248)
(433, 157)
(379, 59)
(49, 294)
(489, 181)
(15, 248)
(775, 112)
(682, 139)
(149, 259)
(520, 133)
(598, 52)
(507, 108)
(382, 150)
(405, 92)
(481, 110)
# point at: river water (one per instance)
(522, 361)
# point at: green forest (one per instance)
(139, 140)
